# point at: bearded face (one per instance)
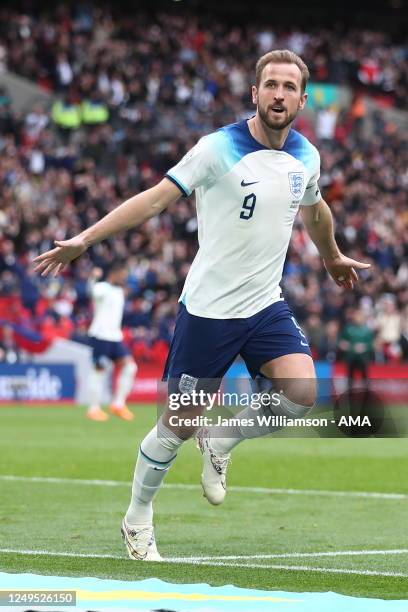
(279, 95)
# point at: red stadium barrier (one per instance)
(145, 385)
(390, 381)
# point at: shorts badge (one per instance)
(187, 383)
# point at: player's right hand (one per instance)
(56, 259)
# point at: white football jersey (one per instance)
(247, 197)
(108, 303)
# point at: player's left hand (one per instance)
(342, 269)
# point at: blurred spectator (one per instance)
(404, 334)
(66, 114)
(357, 345)
(314, 332)
(9, 351)
(329, 345)
(326, 124)
(34, 123)
(80, 331)
(389, 326)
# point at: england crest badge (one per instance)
(296, 181)
(187, 383)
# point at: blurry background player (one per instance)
(105, 334)
(357, 344)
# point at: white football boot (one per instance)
(140, 543)
(213, 477)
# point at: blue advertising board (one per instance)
(37, 382)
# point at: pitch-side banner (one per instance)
(146, 383)
(41, 383)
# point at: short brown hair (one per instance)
(282, 56)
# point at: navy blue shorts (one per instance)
(206, 348)
(103, 350)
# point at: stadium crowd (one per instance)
(133, 96)
(182, 58)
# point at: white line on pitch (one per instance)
(295, 555)
(221, 558)
(304, 568)
(193, 487)
(50, 553)
(208, 562)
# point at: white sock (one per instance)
(124, 383)
(224, 445)
(95, 388)
(224, 439)
(237, 433)
(156, 455)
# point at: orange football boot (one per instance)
(97, 414)
(122, 412)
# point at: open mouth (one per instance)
(278, 109)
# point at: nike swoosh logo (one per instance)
(244, 184)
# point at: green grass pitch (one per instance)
(84, 519)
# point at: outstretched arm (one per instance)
(129, 214)
(318, 221)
